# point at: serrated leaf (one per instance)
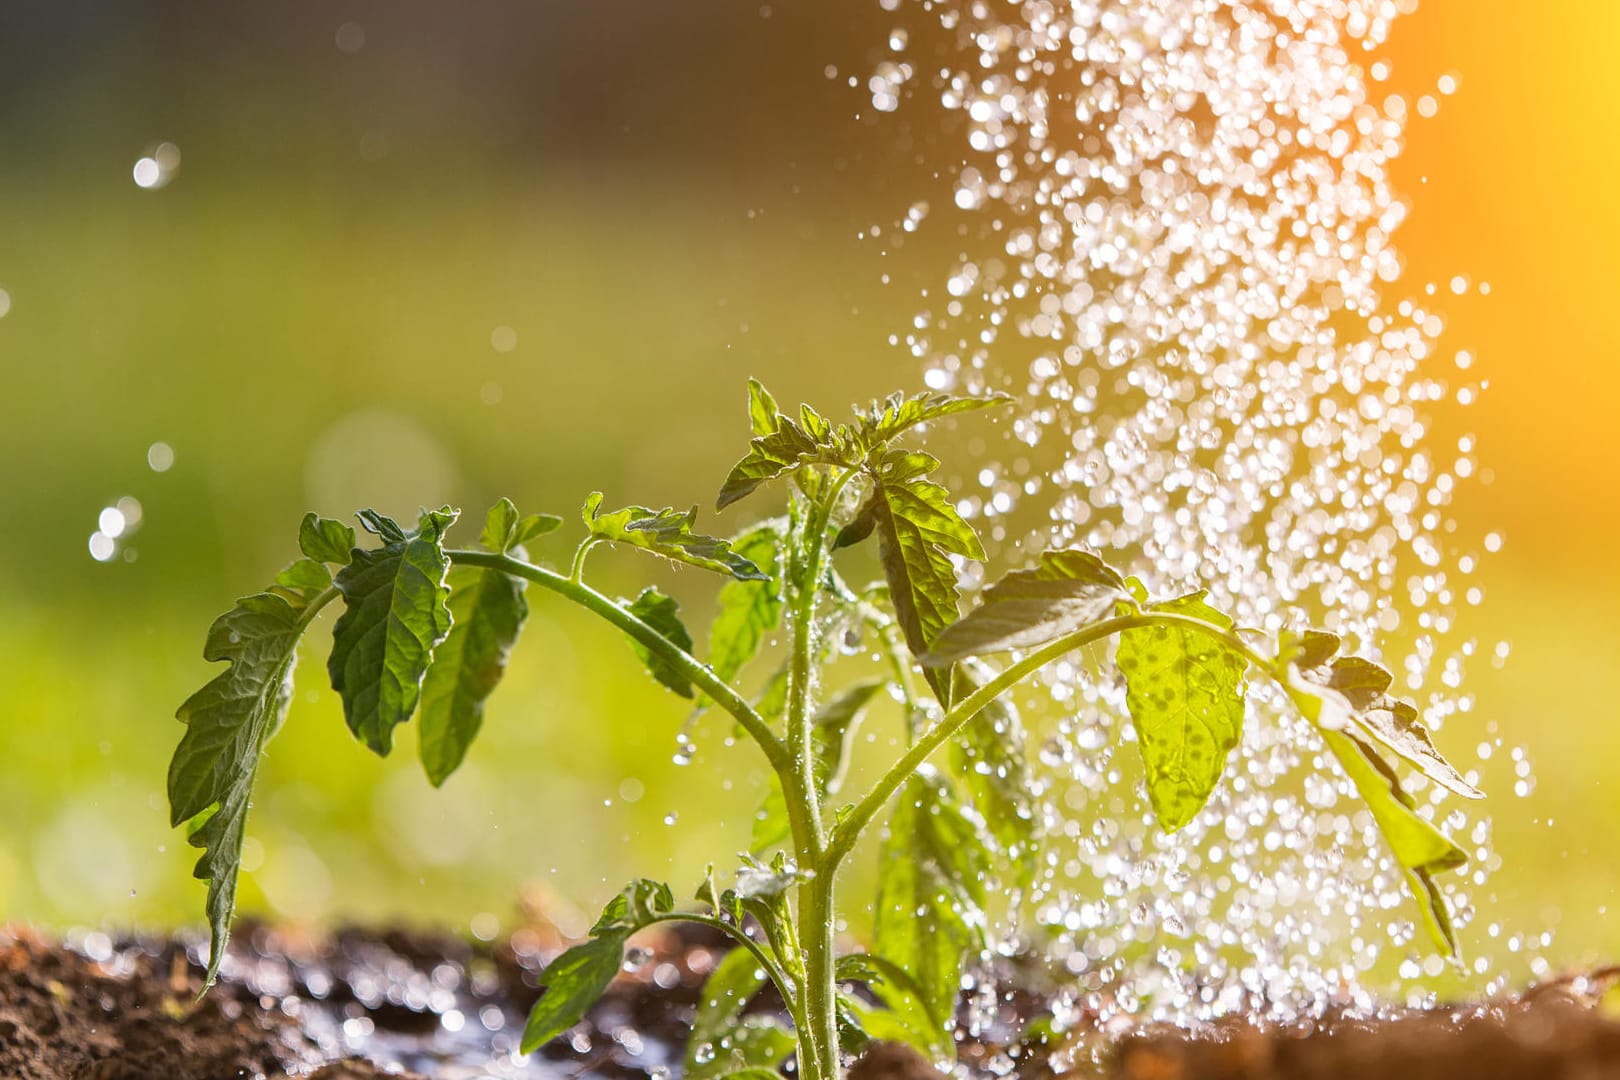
(1184, 690)
(1065, 591)
(722, 1042)
(325, 540)
(748, 610)
(228, 723)
(762, 408)
(662, 613)
(988, 758)
(668, 533)
(770, 455)
(929, 914)
(918, 531)
(887, 419)
(578, 978)
(572, 983)
(487, 610)
(395, 614)
(1419, 847)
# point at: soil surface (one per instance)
(360, 1005)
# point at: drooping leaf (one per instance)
(762, 408)
(918, 532)
(1419, 847)
(988, 758)
(228, 722)
(748, 610)
(930, 906)
(662, 613)
(771, 454)
(722, 1042)
(578, 978)
(1184, 689)
(859, 527)
(487, 610)
(395, 614)
(325, 540)
(1395, 724)
(884, 420)
(1065, 591)
(668, 533)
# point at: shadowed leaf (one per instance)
(662, 613)
(1065, 591)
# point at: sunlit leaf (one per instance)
(668, 533)
(505, 528)
(1184, 689)
(228, 722)
(988, 758)
(770, 455)
(662, 613)
(762, 408)
(721, 1042)
(930, 906)
(1065, 591)
(325, 540)
(901, 1014)
(396, 613)
(748, 611)
(884, 420)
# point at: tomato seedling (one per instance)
(426, 628)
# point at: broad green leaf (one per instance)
(918, 532)
(770, 455)
(578, 978)
(721, 1041)
(487, 610)
(930, 906)
(572, 983)
(668, 533)
(1065, 591)
(831, 730)
(228, 722)
(901, 1014)
(1421, 849)
(395, 614)
(762, 408)
(988, 757)
(662, 613)
(1184, 689)
(748, 610)
(886, 419)
(325, 540)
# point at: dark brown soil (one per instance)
(359, 1005)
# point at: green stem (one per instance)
(818, 943)
(807, 580)
(784, 983)
(657, 643)
(848, 831)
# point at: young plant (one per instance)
(426, 628)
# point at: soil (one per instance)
(359, 1005)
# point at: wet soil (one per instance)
(359, 1005)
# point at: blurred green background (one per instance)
(422, 252)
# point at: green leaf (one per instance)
(771, 824)
(395, 614)
(1066, 590)
(722, 1042)
(228, 722)
(668, 533)
(771, 454)
(1184, 689)
(1421, 849)
(578, 978)
(903, 1016)
(572, 983)
(886, 419)
(988, 757)
(1308, 649)
(325, 540)
(762, 410)
(748, 610)
(918, 531)
(302, 581)
(930, 906)
(487, 610)
(662, 613)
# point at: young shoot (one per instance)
(426, 627)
